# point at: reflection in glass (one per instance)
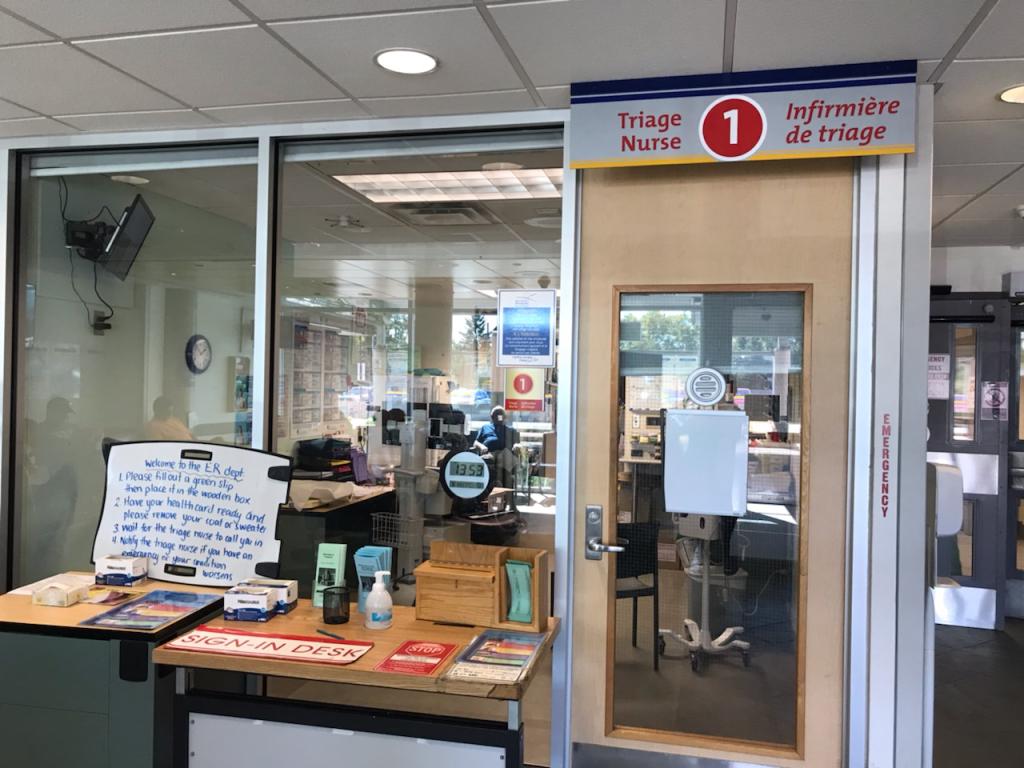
(756, 341)
(965, 346)
(81, 383)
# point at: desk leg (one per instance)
(182, 680)
(515, 715)
(255, 685)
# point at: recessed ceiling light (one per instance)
(138, 181)
(1014, 94)
(406, 61)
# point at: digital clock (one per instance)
(465, 476)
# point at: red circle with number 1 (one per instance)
(523, 383)
(733, 128)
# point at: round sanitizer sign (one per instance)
(705, 386)
(466, 476)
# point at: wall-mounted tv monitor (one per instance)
(128, 237)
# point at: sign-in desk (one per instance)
(259, 728)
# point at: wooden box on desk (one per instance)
(466, 584)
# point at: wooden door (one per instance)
(667, 252)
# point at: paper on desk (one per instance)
(71, 579)
(305, 494)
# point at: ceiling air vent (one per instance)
(441, 214)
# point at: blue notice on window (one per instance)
(526, 331)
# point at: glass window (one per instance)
(143, 334)
(965, 355)
(390, 257)
(1020, 386)
(751, 563)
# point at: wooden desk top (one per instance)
(18, 612)
(375, 492)
(305, 620)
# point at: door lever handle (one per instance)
(594, 544)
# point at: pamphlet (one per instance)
(152, 610)
(101, 595)
(416, 657)
(497, 655)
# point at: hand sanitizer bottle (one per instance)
(378, 603)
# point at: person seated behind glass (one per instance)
(498, 440)
(165, 425)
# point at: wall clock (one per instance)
(198, 353)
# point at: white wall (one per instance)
(978, 268)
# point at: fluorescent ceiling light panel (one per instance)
(450, 186)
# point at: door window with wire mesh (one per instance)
(135, 321)
(667, 676)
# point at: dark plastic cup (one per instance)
(336, 605)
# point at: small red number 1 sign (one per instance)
(732, 128)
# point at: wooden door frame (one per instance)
(766, 749)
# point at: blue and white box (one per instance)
(246, 603)
(285, 591)
(121, 570)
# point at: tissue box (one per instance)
(285, 591)
(59, 594)
(121, 570)
(245, 603)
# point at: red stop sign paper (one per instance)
(733, 128)
(416, 657)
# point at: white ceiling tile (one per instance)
(981, 141)
(217, 68)
(57, 79)
(970, 90)
(957, 231)
(137, 121)
(455, 103)
(275, 9)
(80, 18)
(287, 112)
(555, 96)
(991, 207)
(561, 42)
(999, 35)
(32, 126)
(796, 33)
(943, 205)
(13, 31)
(470, 59)
(1012, 185)
(968, 179)
(8, 110)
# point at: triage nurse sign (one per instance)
(856, 109)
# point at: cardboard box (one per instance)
(121, 570)
(330, 570)
(247, 603)
(59, 594)
(285, 592)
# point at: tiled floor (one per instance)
(979, 697)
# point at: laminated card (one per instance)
(202, 513)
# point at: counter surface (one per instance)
(17, 613)
(305, 620)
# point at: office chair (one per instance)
(639, 559)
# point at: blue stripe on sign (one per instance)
(905, 67)
(809, 86)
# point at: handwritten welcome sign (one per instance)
(202, 513)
